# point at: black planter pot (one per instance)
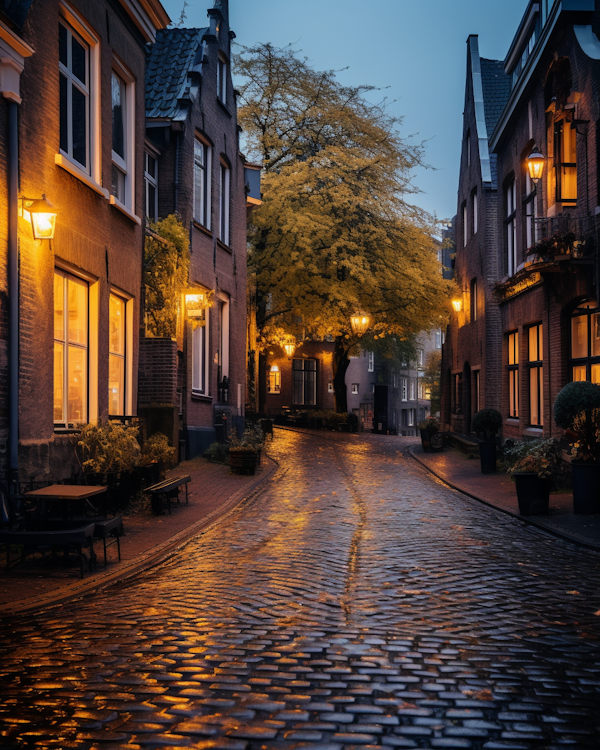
(533, 493)
(243, 462)
(586, 488)
(425, 441)
(487, 454)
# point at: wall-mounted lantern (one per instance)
(43, 217)
(289, 348)
(457, 304)
(195, 303)
(360, 323)
(535, 165)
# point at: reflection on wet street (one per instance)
(352, 601)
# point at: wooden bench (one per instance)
(168, 489)
(34, 540)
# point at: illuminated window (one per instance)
(565, 161)
(513, 374)
(70, 349)
(150, 187)
(274, 380)
(585, 343)
(116, 355)
(355, 389)
(200, 354)
(536, 376)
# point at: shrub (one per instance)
(487, 423)
(157, 448)
(217, 452)
(430, 424)
(109, 446)
(574, 399)
(543, 456)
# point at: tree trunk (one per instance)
(340, 365)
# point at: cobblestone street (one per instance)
(353, 600)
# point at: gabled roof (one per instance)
(16, 10)
(496, 89)
(175, 54)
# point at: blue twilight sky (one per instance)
(416, 48)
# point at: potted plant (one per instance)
(535, 467)
(430, 438)
(244, 454)
(156, 453)
(577, 411)
(487, 424)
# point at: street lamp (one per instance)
(290, 347)
(535, 165)
(43, 217)
(457, 304)
(360, 323)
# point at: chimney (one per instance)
(223, 6)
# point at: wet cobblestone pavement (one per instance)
(352, 602)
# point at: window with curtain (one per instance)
(71, 296)
(513, 374)
(536, 376)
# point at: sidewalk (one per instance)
(148, 539)
(498, 491)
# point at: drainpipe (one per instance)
(13, 294)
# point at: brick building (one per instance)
(72, 129)
(194, 168)
(529, 275)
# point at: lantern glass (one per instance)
(289, 349)
(535, 165)
(274, 368)
(43, 225)
(360, 323)
(457, 304)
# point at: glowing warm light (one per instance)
(360, 323)
(289, 348)
(535, 165)
(43, 218)
(274, 368)
(457, 304)
(195, 300)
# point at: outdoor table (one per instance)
(62, 495)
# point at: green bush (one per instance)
(430, 424)
(108, 446)
(217, 453)
(157, 448)
(574, 399)
(487, 423)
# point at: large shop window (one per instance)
(565, 160)
(74, 67)
(305, 382)
(117, 351)
(511, 228)
(585, 344)
(513, 374)
(71, 300)
(202, 166)
(200, 354)
(536, 376)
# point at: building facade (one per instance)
(194, 169)
(543, 256)
(72, 130)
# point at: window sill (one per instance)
(69, 166)
(512, 421)
(124, 210)
(225, 247)
(202, 228)
(534, 432)
(201, 397)
(224, 107)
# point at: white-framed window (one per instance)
(117, 355)
(438, 339)
(412, 417)
(404, 389)
(465, 225)
(413, 392)
(224, 202)
(150, 186)
(122, 89)
(355, 389)
(75, 92)
(420, 357)
(371, 361)
(305, 382)
(200, 354)
(224, 337)
(71, 343)
(511, 228)
(475, 211)
(274, 380)
(202, 184)
(222, 75)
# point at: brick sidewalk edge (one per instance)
(149, 559)
(526, 519)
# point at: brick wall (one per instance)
(158, 372)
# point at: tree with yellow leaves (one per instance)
(335, 233)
